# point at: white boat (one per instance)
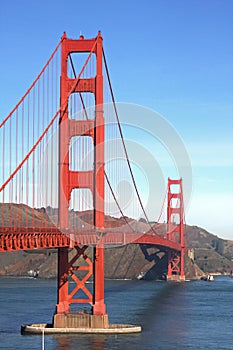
(140, 275)
(209, 278)
(33, 273)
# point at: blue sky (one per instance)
(175, 57)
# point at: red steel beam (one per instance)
(27, 239)
(176, 228)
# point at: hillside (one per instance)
(210, 253)
(122, 262)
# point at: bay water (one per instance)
(189, 315)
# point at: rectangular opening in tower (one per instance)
(81, 209)
(81, 153)
(175, 188)
(81, 62)
(175, 203)
(82, 104)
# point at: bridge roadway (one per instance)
(14, 239)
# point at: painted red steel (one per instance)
(175, 230)
(12, 239)
(93, 179)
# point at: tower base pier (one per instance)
(80, 321)
(45, 328)
(176, 278)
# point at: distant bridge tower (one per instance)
(175, 229)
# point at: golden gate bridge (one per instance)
(57, 189)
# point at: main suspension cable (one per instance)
(105, 174)
(124, 146)
(32, 85)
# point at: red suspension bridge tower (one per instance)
(70, 180)
(175, 229)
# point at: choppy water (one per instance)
(191, 315)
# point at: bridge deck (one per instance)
(12, 239)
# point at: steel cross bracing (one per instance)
(37, 200)
(12, 239)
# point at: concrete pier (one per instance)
(82, 320)
(82, 323)
(175, 278)
(44, 328)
